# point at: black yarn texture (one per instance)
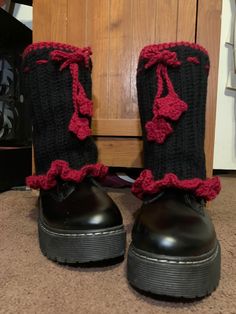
(182, 153)
(49, 92)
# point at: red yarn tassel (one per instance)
(169, 107)
(158, 129)
(78, 125)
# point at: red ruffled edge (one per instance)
(49, 44)
(61, 169)
(163, 46)
(145, 184)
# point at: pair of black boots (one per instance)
(174, 250)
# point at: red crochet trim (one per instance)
(42, 61)
(193, 60)
(61, 169)
(145, 184)
(168, 107)
(48, 44)
(164, 46)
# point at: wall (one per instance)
(225, 137)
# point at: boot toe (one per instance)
(171, 228)
(87, 207)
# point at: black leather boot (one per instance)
(78, 221)
(174, 249)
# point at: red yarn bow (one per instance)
(82, 105)
(165, 107)
(165, 57)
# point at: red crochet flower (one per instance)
(169, 107)
(158, 129)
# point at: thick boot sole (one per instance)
(72, 247)
(191, 277)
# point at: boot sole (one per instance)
(191, 277)
(71, 247)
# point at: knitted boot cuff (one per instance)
(69, 57)
(61, 169)
(145, 184)
(168, 107)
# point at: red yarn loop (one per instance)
(85, 104)
(68, 58)
(145, 184)
(165, 107)
(194, 60)
(61, 169)
(165, 57)
(82, 104)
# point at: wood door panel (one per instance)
(166, 21)
(143, 33)
(50, 20)
(76, 22)
(186, 26)
(120, 152)
(117, 127)
(119, 59)
(117, 30)
(208, 35)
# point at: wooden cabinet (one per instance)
(117, 30)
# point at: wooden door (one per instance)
(117, 30)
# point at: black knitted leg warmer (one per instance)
(57, 80)
(172, 88)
